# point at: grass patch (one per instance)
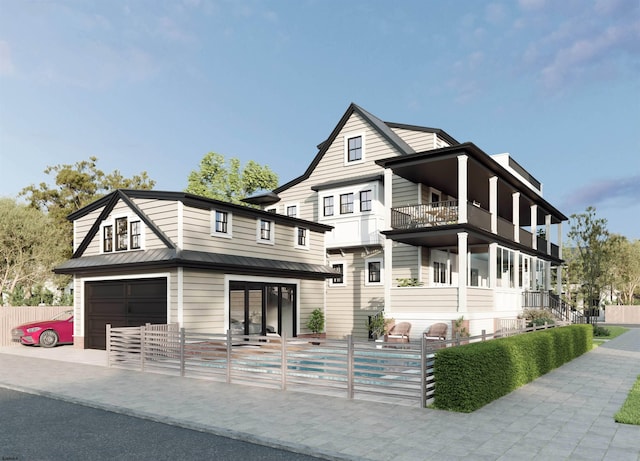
(630, 411)
(613, 333)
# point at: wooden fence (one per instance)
(388, 372)
(12, 316)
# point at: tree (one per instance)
(590, 240)
(76, 186)
(30, 245)
(220, 180)
(626, 268)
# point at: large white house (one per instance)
(424, 227)
(390, 217)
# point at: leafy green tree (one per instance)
(590, 238)
(75, 186)
(625, 267)
(30, 245)
(222, 180)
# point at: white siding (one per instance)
(203, 301)
(418, 140)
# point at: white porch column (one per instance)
(493, 267)
(534, 227)
(462, 188)
(516, 216)
(462, 271)
(547, 275)
(493, 203)
(559, 268)
(388, 243)
(547, 231)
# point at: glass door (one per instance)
(259, 308)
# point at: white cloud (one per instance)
(6, 63)
(589, 53)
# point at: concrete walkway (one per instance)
(566, 414)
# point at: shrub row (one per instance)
(468, 377)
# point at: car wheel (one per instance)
(48, 338)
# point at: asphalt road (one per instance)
(38, 428)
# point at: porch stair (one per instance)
(552, 302)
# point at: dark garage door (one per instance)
(122, 303)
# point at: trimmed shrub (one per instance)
(468, 377)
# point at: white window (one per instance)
(354, 148)
(339, 280)
(374, 274)
(265, 231)
(291, 211)
(121, 233)
(221, 223)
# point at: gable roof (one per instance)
(381, 127)
(109, 201)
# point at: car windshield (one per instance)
(66, 315)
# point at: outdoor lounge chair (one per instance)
(398, 333)
(436, 333)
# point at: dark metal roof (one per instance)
(168, 257)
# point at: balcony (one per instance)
(432, 215)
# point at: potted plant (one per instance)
(316, 323)
(460, 329)
(378, 325)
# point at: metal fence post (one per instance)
(423, 372)
(142, 348)
(484, 335)
(350, 366)
(283, 364)
(182, 358)
(108, 344)
(229, 355)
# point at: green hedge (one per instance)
(468, 377)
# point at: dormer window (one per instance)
(265, 231)
(221, 223)
(122, 234)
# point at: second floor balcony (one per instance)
(432, 216)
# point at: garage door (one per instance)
(122, 303)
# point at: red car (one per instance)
(46, 333)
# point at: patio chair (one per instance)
(398, 333)
(436, 333)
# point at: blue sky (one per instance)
(155, 85)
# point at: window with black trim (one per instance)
(328, 206)
(346, 203)
(374, 270)
(222, 221)
(122, 234)
(302, 237)
(135, 235)
(265, 231)
(338, 279)
(107, 239)
(292, 210)
(354, 152)
(365, 200)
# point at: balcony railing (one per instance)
(446, 212)
(430, 214)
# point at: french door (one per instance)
(257, 308)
